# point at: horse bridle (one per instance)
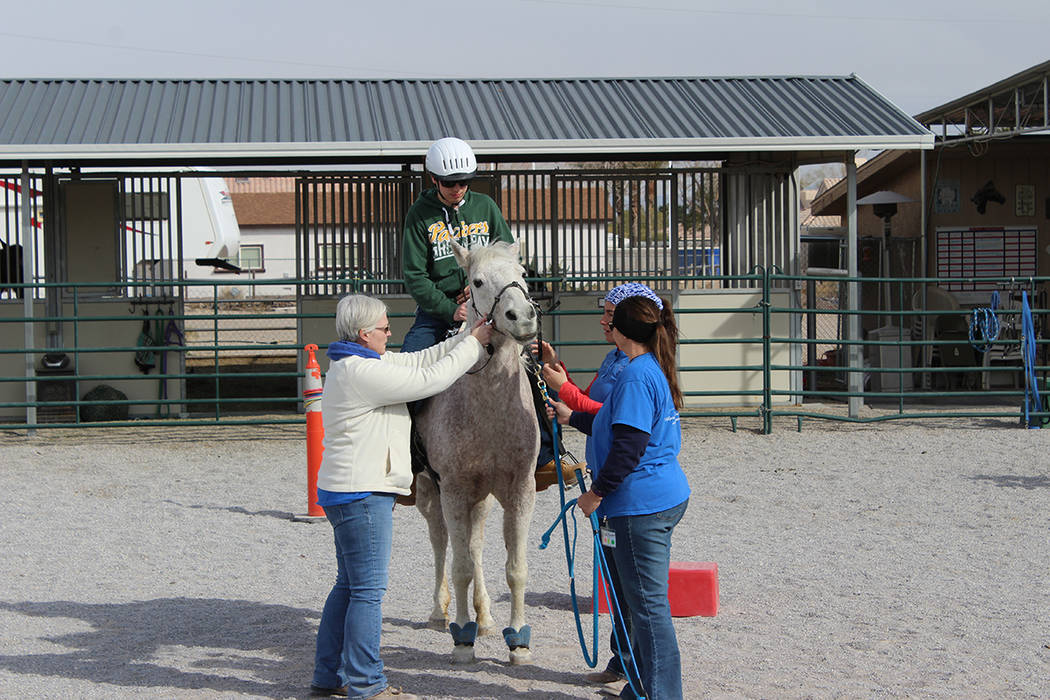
(492, 310)
(495, 302)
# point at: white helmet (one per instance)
(451, 159)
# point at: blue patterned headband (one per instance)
(632, 289)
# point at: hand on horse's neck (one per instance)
(505, 350)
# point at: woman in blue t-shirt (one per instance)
(639, 490)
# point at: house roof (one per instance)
(313, 121)
(270, 201)
(871, 176)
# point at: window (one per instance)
(339, 257)
(250, 258)
(146, 206)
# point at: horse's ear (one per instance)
(462, 255)
(514, 248)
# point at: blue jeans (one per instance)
(426, 331)
(620, 659)
(352, 620)
(643, 561)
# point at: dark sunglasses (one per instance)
(454, 183)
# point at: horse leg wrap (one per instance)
(517, 639)
(465, 635)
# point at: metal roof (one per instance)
(357, 120)
(1014, 106)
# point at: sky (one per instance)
(918, 55)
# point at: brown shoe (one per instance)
(568, 471)
(603, 677)
(546, 476)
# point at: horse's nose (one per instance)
(511, 316)
(532, 313)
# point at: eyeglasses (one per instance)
(382, 329)
(454, 183)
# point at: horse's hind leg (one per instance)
(428, 501)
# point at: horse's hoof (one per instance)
(520, 656)
(463, 654)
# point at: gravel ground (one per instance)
(888, 560)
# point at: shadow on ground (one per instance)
(1013, 481)
(224, 645)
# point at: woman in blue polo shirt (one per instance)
(639, 490)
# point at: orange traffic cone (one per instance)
(312, 390)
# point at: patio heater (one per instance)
(884, 205)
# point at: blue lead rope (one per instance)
(600, 568)
(984, 329)
(1032, 402)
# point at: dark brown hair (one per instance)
(640, 312)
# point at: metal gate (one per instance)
(593, 227)
(348, 227)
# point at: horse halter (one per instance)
(495, 302)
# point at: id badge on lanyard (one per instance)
(608, 536)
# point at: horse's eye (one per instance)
(477, 283)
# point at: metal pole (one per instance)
(28, 267)
(886, 272)
(923, 272)
(856, 364)
(767, 379)
(811, 332)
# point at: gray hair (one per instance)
(357, 312)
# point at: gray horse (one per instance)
(482, 439)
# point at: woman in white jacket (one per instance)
(366, 465)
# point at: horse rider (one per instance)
(448, 211)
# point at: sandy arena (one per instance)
(890, 560)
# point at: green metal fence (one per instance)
(238, 362)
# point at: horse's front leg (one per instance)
(482, 602)
(459, 517)
(516, 520)
(428, 501)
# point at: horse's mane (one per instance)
(497, 252)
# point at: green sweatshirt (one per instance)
(432, 275)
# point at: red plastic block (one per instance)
(692, 589)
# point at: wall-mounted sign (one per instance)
(946, 197)
(1024, 201)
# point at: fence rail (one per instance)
(183, 360)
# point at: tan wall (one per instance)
(582, 361)
(88, 334)
(1007, 165)
(734, 325)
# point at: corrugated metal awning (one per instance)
(240, 121)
